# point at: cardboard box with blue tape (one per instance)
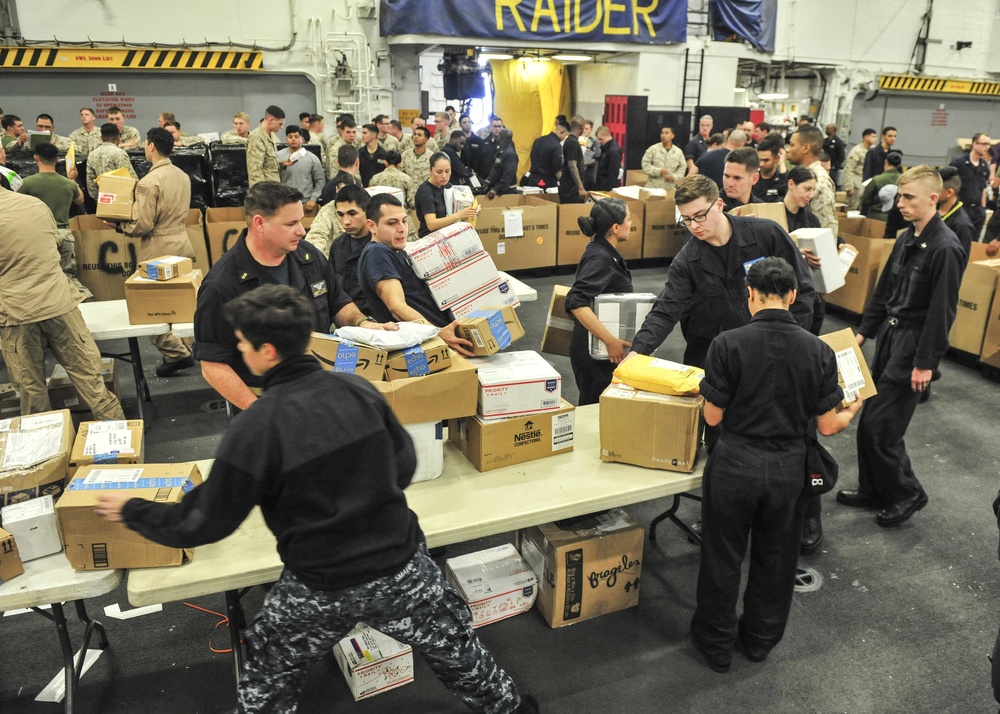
(337, 355)
(428, 357)
(491, 330)
(166, 267)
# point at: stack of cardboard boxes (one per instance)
(163, 290)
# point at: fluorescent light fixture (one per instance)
(739, 89)
(572, 58)
(495, 56)
(770, 96)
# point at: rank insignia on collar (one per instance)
(243, 277)
(923, 246)
(306, 256)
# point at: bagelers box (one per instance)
(495, 443)
(34, 455)
(652, 430)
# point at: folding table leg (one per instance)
(141, 386)
(237, 621)
(67, 650)
(671, 514)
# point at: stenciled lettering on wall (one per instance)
(644, 21)
(106, 100)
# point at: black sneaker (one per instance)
(169, 369)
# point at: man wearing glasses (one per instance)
(974, 170)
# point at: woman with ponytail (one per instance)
(602, 269)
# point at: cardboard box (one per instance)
(495, 582)
(428, 357)
(443, 250)
(428, 442)
(104, 257)
(975, 300)
(337, 355)
(33, 525)
(10, 401)
(586, 567)
(495, 443)
(865, 234)
(491, 330)
(535, 247)
(558, 324)
(829, 276)
(63, 394)
(166, 267)
(153, 301)
(223, 227)
(34, 455)
(470, 277)
(853, 374)
(116, 197)
(373, 663)
(448, 394)
(194, 225)
(107, 442)
(10, 558)
(572, 241)
(652, 430)
(990, 354)
(93, 543)
(663, 236)
(499, 293)
(887, 245)
(636, 177)
(772, 211)
(622, 314)
(516, 383)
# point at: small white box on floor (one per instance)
(33, 525)
(428, 442)
(373, 663)
(495, 582)
(514, 383)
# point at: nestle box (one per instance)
(772, 211)
(975, 299)
(223, 226)
(468, 278)
(516, 383)
(336, 355)
(490, 330)
(622, 314)
(428, 443)
(34, 455)
(663, 236)
(448, 394)
(865, 234)
(820, 241)
(107, 442)
(558, 324)
(10, 401)
(572, 241)
(443, 250)
(532, 246)
(495, 582)
(33, 525)
(373, 663)
(652, 430)
(586, 567)
(153, 301)
(499, 293)
(93, 543)
(428, 357)
(166, 267)
(853, 374)
(116, 197)
(63, 394)
(495, 443)
(10, 558)
(104, 257)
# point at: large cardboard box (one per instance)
(373, 663)
(33, 525)
(495, 443)
(107, 442)
(165, 267)
(516, 383)
(652, 430)
(34, 455)
(636, 177)
(535, 247)
(975, 300)
(491, 330)
(443, 250)
(663, 236)
(10, 558)
(829, 276)
(194, 224)
(572, 241)
(428, 443)
(771, 211)
(93, 543)
(495, 582)
(990, 354)
(428, 357)
(448, 394)
(63, 394)
(153, 301)
(104, 257)
(586, 567)
(622, 314)
(223, 227)
(116, 197)
(558, 324)
(853, 374)
(865, 234)
(337, 355)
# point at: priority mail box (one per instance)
(428, 357)
(10, 558)
(34, 455)
(107, 442)
(63, 394)
(33, 525)
(93, 543)
(10, 401)
(116, 197)
(153, 301)
(373, 663)
(443, 250)
(572, 241)
(223, 227)
(586, 567)
(499, 293)
(104, 257)
(494, 443)
(558, 324)
(448, 394)
(771, 211)
(516, 383)
(853, 374)
(495, 582)
(829, 276)
(975, 299)
(428, 443)
(491, 330)
(622, 314)
(533, 245)
(336, 355)
(391, 190)
(465, 280)
(657, 431)
(866, 235)
(166, 267)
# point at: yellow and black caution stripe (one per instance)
(144, 59)
(905, 83)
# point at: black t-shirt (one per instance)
(278, 273)
(713, 164)
(803, 219)
(380, 262)
(771, 190)
(429, 199)
(974, 179)
(370, 164)
(572, 154)
(695, 148)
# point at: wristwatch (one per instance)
(364, 318)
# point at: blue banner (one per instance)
(751, 20)
(644, 21)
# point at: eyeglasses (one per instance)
(698, 217)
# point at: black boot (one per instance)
(812, 535)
